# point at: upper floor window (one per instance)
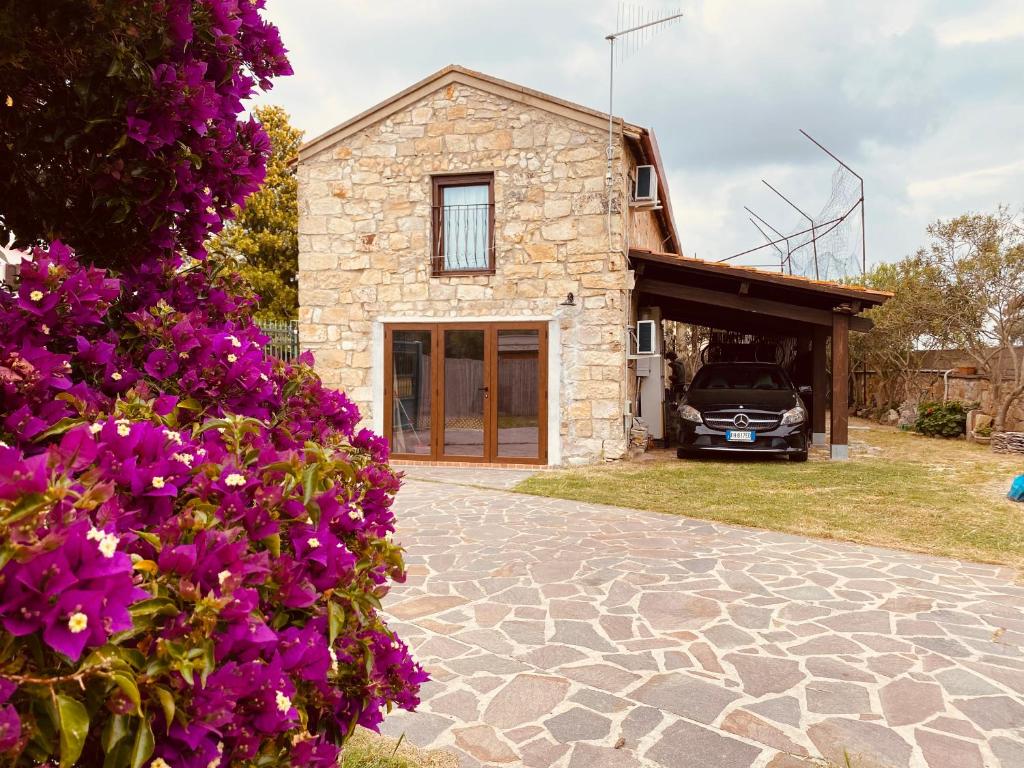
(463, 214)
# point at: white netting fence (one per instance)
(834, 250)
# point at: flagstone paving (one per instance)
(583, 636)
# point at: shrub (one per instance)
(947, 419)
(194, 539)
(194, 536)
(122, 121)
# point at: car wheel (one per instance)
(798, 457)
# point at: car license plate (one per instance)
(740, 436)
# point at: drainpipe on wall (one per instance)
(945, 384)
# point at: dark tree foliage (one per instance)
(118, 122)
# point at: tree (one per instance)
(980, 262)
(904, 326)
(119, 122)
(261, 243)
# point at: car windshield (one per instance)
(740, 377)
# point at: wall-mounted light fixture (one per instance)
(570, 301)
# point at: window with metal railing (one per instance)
(463, 224)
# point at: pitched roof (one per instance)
(867, 296)
(454, 73)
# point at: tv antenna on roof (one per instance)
(636, 27)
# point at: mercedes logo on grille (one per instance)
(741, 420)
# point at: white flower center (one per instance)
(234, 480)
(283, 702)
(78, 622)
(158, 482)
(313, 542)
(184, 458)
(108, 545)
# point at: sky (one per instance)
(923, 98)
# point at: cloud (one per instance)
(920, 96)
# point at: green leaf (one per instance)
(130, 689)
(151, 538)
(74, 727)
(273, 544)
(308, 483)
(336, 620)
(59, 428)
(115, 730)
(106, 655)
(27, 505)
(155, 606)
(144, 744)
(167, 702)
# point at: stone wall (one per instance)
(968, 389)
(364, 242)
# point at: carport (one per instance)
(749, 300)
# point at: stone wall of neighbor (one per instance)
(930, 386)
(365, 238)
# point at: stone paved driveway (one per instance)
(581, 636)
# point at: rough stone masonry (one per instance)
(365, 232)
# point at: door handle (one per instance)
(485, 390)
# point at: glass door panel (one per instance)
(411, 406)
(465, 392)
(518, 393)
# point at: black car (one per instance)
(750, 408)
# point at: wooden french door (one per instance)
(466, 391)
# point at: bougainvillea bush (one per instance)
(194, 536)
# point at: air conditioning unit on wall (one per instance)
(645, 186)
(646, 337)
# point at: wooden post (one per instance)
(819, 384)
(840, 383)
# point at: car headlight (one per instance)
(794, 416)
(689, 413)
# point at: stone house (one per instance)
(486, 270)
(464, 275)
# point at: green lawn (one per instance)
(365, 749)
(944, 497)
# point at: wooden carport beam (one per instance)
(840, 384)
(821, 317)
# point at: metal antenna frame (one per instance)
(789, 254)
(863, 235)
(817, 229)
(814, 236)
(636, 14)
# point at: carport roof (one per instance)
(737, 297)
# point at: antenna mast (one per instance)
(641, 27)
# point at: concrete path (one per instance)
(582, 636)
